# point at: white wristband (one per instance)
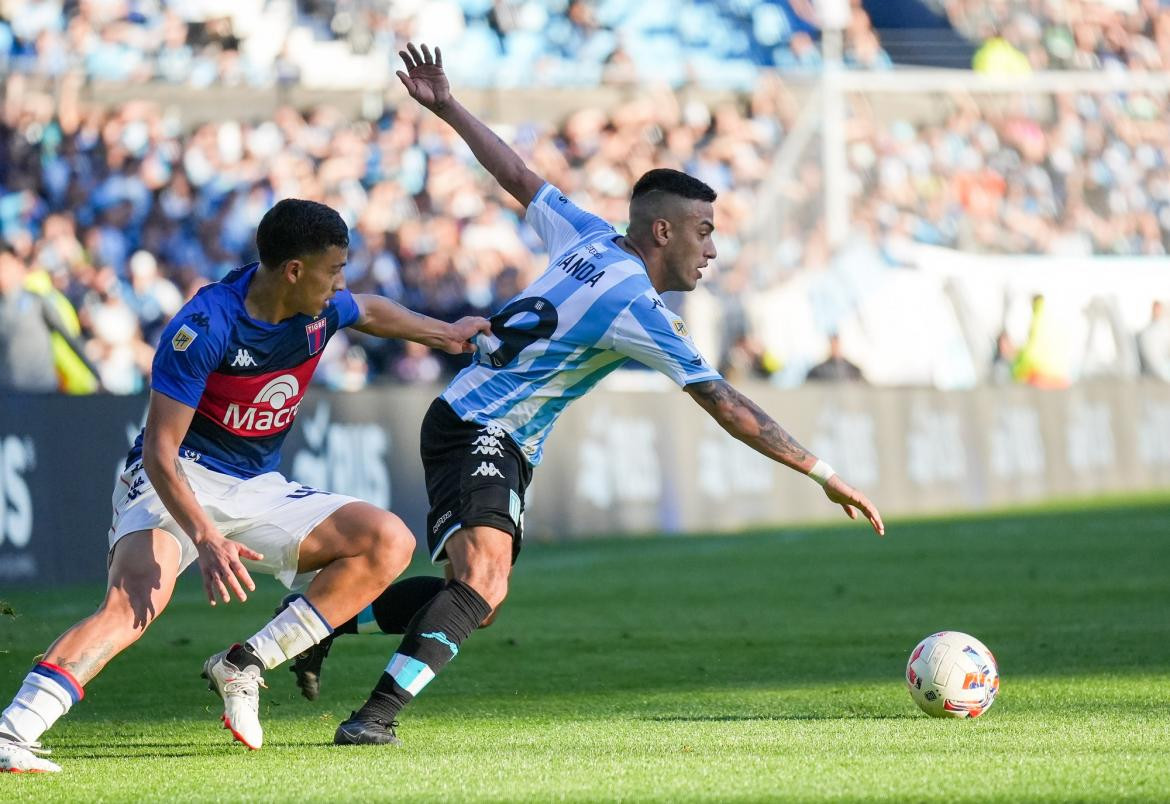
(821, 472)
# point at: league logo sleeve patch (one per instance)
(680, 327)
(183, 338)
(315, 332)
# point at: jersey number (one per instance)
(535, 319)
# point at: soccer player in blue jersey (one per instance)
(201, 482)
(595, 307)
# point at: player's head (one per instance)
(673, 214)
(306, 243)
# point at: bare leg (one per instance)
(360, 549)
(481, 557)
(141, 581)
(142, 577)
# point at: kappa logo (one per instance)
(486, 469)
(243, 359)
(487, 449)
(136, 488)
(439, 522)
(487, 441)
(183, 338)
(656, 303)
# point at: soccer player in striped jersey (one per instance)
(201, 482)
(595, 307)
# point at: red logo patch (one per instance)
(315, 332)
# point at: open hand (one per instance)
(219, 562)
(424, 78)
(849, 498)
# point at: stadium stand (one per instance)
(128, 208)
(501, 43)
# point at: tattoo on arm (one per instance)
(745, 420)
(182, 474)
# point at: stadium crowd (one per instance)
(501, 43)
(126, 215)
(1069, 175)
(1066, 35)
(118, 214)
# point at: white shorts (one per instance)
(267, 513)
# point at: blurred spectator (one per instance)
(998, 56)
(836, 367)
(77, 375)
(27, 323)
(1154, 344)
(1041, 360)
(1003, 361)
(748, 358)
(417, 365)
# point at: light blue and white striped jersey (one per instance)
(590, 312)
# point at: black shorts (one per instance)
(475, 475)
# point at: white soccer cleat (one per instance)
(240, 691)
(18, 757)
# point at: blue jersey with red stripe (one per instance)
(245, 378)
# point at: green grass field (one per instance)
(761, 666)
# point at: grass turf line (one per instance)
(759, 666)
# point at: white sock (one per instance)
(47, 693)
(293, 631)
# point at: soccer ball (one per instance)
(951, 674)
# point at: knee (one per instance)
(490, 579)
(393, 545)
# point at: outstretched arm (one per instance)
(426, 82)
(744, 419)
(387, 319)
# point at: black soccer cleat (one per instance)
(306, 666)
(366, 732)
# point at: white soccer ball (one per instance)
(952, 674)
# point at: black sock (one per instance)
(432, 639)
(397, 606)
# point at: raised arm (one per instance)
(387, 319)
(426, 82)
(744, 419)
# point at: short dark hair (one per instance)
(674, 182)
(296, 228)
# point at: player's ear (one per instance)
(292, 270)
(661, 230)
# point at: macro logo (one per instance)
(268, 411)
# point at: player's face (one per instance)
(321, 276)
(691, 245)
